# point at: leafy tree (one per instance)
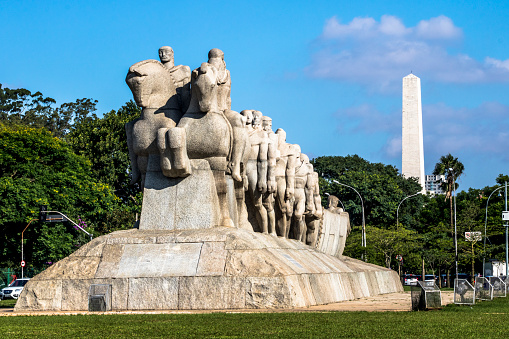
(381, 186)
(452, 168)
(22, 107)
(35, 169)
(103, 142)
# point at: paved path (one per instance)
(393, 302)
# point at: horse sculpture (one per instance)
(203, 132)
(154, 91)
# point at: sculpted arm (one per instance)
(271, 161)
(290, 176)
(186, 89)
(317, 198)
(309, 190)
(262, 163)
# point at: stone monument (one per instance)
(216, 183)
(412, 163)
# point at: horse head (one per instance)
(205, 87)
(151, 85)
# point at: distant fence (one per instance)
(483, 289)
(464, 293)
(499, 287)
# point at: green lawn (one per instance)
(486, 319)
(7, 303)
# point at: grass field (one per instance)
(486, 319)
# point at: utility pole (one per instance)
(22, 252)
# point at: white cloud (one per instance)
(393, 147)
(440, 27)
(366, 118)
(379, 54)
(479, 131)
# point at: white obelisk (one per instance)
(412, 164)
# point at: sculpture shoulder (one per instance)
(181, 72)
(288, 150)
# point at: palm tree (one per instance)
(452, 169)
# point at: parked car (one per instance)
(13, 290)
(409, 279)
(431, 277)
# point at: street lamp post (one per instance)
(22, 252)
(363, 241)
(397, 210)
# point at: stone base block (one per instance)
(217, 268)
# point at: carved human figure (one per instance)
(155, 92)
(314, 219)
(332, 203)
(256, 169)
(285, 181)
(268, 198)
(180, 74)
(303, 203)
(240, 136)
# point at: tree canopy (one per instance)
(36, 169)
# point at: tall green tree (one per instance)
(38, 169)
(452, 169)
(381, 186)
(102, 140)
(22, 107)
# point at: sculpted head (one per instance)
(281, 136)
(257, 118)
(304, 158)
(216, 53)
(150, 83)
(296, 150)
(248, 114)
(332, 202)
(166, 54)
(266, 124)
(216, 58)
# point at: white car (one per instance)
(13, 290)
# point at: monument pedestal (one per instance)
(216, 268)
(167, 201)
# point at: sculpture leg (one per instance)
(268, 203)
(261, 212)
(135, 172)
(312, 232)
(181, 166)
(221, 189)
(165, 154)
(289, 214)
(280, 207)
(239, 141)
(255, 196)
(298, 215)
(142, 164)
(240, 195)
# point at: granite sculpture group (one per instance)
(188, 116)
(231, 215)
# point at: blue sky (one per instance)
(328, 72)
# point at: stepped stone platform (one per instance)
(217, 268)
